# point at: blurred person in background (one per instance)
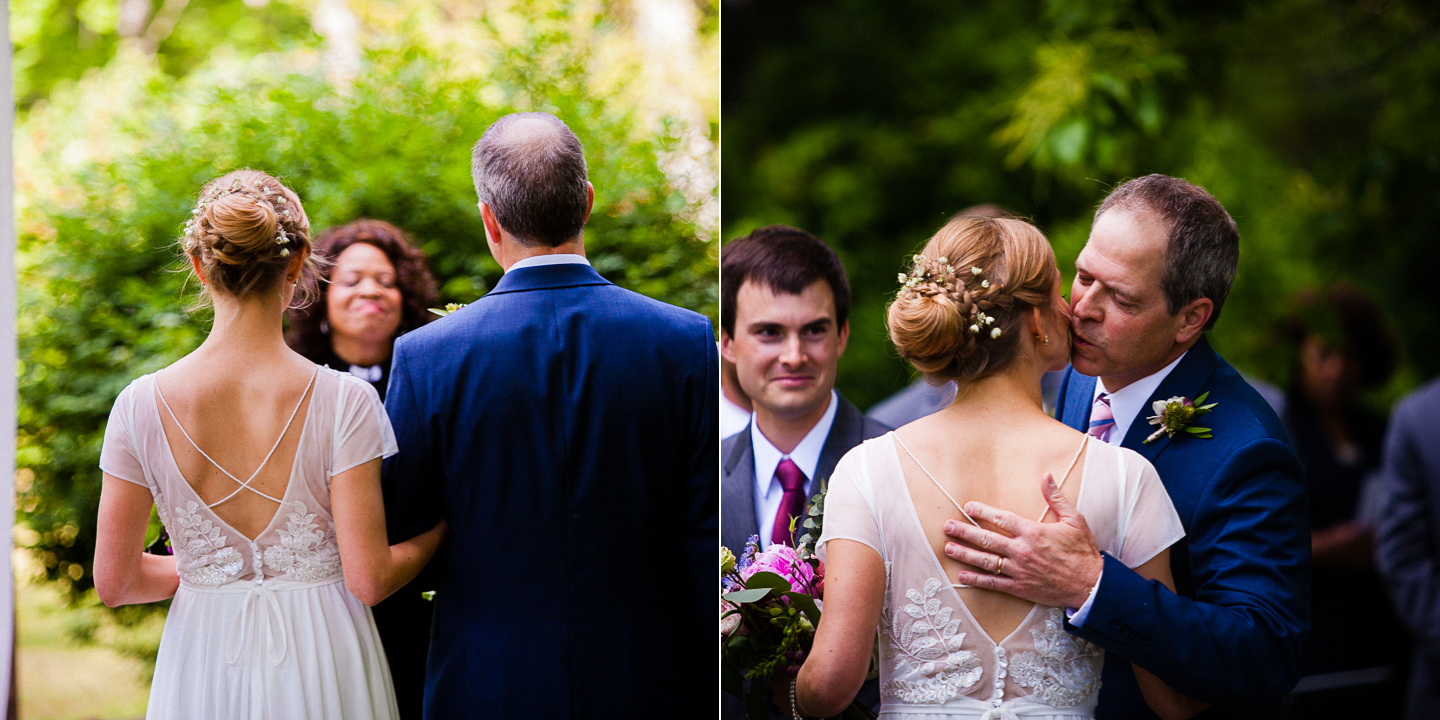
(1356, 645)
(1408, 537)
(735, 406)
(376, 287)
(1344, 347)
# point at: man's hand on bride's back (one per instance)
(1054, 564)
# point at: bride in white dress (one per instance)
(983, 307)
(265, 470)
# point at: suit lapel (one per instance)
(845, 433)
(738, 504)
(1079, 398)
(1185, 380)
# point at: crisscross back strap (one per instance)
(959, 507)
(244, 484)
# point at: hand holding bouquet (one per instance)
(770, 604)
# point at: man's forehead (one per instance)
(1125, 249)
(757, 302)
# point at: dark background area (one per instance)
(1313, 121)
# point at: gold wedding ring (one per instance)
(999, 566)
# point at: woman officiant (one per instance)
(375, 288)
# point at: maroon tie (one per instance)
(792, 503)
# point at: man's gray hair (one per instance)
(1202, 249)
(530, 169)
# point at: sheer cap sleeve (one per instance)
(362, 427)
(1149, 521)
(120, 454)
(850, 510)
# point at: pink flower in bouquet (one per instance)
(782, 560)
(728, 624)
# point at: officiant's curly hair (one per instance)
(244, 231)
(941, 327)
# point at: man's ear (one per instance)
(492, 226)
(844, 338)
(1192, 318)
(590, 202)
(727, 346)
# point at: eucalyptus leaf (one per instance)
(767, 580)
(749, 595)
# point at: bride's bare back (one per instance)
(996, 459)
(235, 413)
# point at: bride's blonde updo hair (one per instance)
(963, 307)
(244, 230)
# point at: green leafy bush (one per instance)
(109, 168)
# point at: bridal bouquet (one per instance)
(769, 607)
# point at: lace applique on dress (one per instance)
(922, 638)
(205, 558)
(1064, 671)
(305, 553)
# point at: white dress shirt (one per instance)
(733, 418)
(806, 456)
(1126, 404)
(553, 259)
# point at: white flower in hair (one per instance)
(995, 334)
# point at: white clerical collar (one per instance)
(806, 455)
(1128, 402)
(554, 259)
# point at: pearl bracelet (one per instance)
(794, 705)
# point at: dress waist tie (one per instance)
(968, 708)
(261, 606)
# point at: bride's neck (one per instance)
(1016, 389)
(249, 327)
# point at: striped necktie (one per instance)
(1101, 419)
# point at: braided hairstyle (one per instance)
(960, 313)
(243, 230)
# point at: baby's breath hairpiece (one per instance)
(260, 194)
(937, 277)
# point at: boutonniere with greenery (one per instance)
(449, 308)
(1177, 413)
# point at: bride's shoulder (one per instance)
(350, 386)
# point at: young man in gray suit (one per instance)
(784, 300)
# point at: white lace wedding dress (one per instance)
(936, 660)
(262, 628)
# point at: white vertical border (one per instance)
(7, 365)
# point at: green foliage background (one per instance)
(1313, 121)
(115, 139)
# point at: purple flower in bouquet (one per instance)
(747, 555)
(783, 561)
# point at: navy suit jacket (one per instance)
(1408, 536)
(1231, 634)
(566, 430)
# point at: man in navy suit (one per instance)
(1152, 278)
(565, 428)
